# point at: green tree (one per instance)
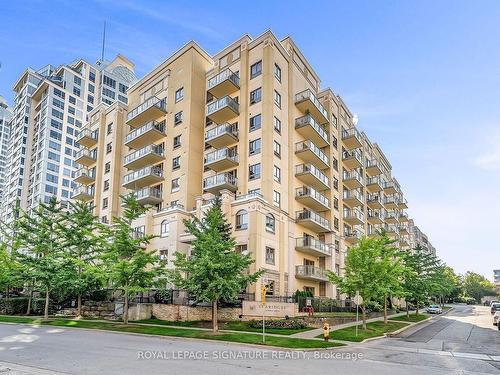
(40, 242)
(215, 271)
(477, 286)
(130, 267)
(11, 270)
(361, 272)
(83, 243)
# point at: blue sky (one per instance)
(422, 76)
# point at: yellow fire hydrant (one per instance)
(326, 331)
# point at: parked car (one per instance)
(434, 309)
(494, 301)
(496, 317)
(495, 307)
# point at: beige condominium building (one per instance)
(299, 183)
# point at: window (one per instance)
(277, 174)
(255, 122)
(76, 91)
(277, 98)
(105, 203)
(256, 69)
(107, 167)
(277, 125)
(104, 219)
(270, 288)
(77, 80)
(164, 228)
(110, 128)
(277, 149)
(178, 118)
(109, 147)
(109, 81)
(177, 141)
(92, 76)
(163, 255)
(254, 147)
(277, 198)
(179, 95)
(241, 249)
(176, 163)
(122, 88)
(106, 185)
(175, 185)
(270, 223)
(241, 220)
(255, 96)
(269, 255)
(277, 72)
(254, 172)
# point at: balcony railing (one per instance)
(309, 146)
(308, 96)
(148, 195)
(151, 149)
(311, 272)
(225, 76)
(306, 191)
(229, 131)
(352, 194)
(84, 175)
(353, 175)
(309, 168)
(223, 109)
(220, 180)
(142, 173)
(152, 102)
(309, 215)
(319, 134)
(152, 125)
(354, 158)
(354, 215)
(352, 138)
(87, 137)
(314, 245)
(223, 153)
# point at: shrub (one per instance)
(163, 296)
(18, 306)
(373, 306)
(286, 324)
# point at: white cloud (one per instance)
(489, 160)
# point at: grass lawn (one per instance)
(413, 318)
(247, 338)
(373, 329)
(334, 314)
(232, 326)
(18, 319)
(446, 308)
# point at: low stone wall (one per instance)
(105, 310)
(187, 313)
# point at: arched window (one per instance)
(241, 220)
(270, 223)
(165, 228)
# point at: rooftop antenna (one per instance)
(103, 41)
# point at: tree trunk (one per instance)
(125, 308)
(46, 310)
(363, 314)
(385, 309)
(407, 310)
(416, 310)
(79, 306)
(215, 323)
(30, 297)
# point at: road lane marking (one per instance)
(484, 357)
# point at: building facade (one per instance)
(6, 115)
(419, 238)
(52, 104)
(496, 278)
(299, 182)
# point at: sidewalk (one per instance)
(319, 331)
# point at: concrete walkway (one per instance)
(319, 331)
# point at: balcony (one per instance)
(214, 184)
(83, 193)
(403, 217)
(87, 138)
(146, 156)
(145, 135)
(404, 230)
(352, 159)
(352, 138)
(84, 176)
(86, 157)
(312, 220)
(392, 231)
(222, 159)
(312, 246)
(224, 83)
(143, 177)
(374, 201)
(148, 196)
(310, 273)
(312, 176)
(374, 184)
(186, 237)
(391, 202)
(376, 216)
(352, 198)
(403, 203)
(310, 153)
(373, 168)
(390, 187)
(392, 217)
(307, 102)
(222, 135)
(312, 198)
(354, 217)
(352, 179)
(404, 241)
(151, 109)
(310, 129)
(352, 236)
(223, 110)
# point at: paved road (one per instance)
(444, 346)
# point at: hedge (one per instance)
(18, 306)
